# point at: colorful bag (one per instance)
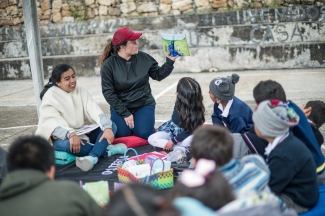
(62, 157)
(160, 180)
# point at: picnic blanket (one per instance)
(105, 169)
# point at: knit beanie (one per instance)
(223, 88)
(273, 118)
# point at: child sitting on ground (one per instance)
(136, 200)
(201, 191)
(204, 191)
(292, 167)
(229, 111)
(315, 113)
(65, 108)
(250, 173)
(269, 89)
(187, 116)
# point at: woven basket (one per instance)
(160, 180)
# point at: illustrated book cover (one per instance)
(175, 44)
(99, 191)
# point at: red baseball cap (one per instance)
(123, 34)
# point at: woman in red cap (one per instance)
(125, 73)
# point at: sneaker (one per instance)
(116, 149)
(86, 163)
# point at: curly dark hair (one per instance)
(189, 104)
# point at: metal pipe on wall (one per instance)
(34, 48)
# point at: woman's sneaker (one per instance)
(86, 163)
(116, 149)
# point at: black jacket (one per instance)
(125, 84)
(293, 172)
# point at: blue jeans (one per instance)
(144, 122)
(93, 148)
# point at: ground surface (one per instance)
(18, 115)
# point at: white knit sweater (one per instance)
(67, 110)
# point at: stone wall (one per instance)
(279, 38)
(69, 11)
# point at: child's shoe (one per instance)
(86, 163)
(116, 149)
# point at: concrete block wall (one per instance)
(280, 38)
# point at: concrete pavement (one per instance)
(18, 115)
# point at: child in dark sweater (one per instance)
(270, 89)
(292, 167)
(315, 113)
(229, 111)
(246, 175)
(188, 114)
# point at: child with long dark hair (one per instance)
(187, 116)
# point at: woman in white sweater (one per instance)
(66, 107)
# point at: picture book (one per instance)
(98, 191)
(175, 44)
(85, 129)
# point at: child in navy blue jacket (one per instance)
(315, 113)
(229, 111)
(292, 166)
